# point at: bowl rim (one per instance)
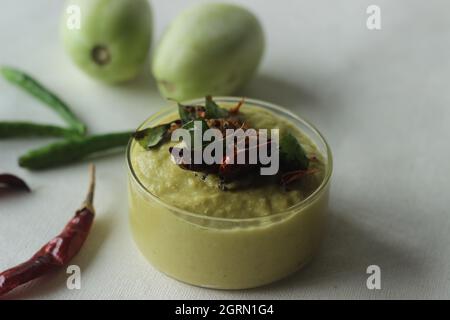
(257, 103)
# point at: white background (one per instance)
(381, 98)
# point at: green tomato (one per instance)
(113, 38)
(210, 49)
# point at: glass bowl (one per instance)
(226, 253)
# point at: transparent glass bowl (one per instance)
(226, 253)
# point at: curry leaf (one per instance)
(151, 137)
(292, 154)
(213, 111)
(186, 113)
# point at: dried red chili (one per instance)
(236, 108)
(58, 251)
(9, 182)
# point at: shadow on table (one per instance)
(262, 87)
(347, 249)
(143, 83)
(280, 92)
(346, 253)
(57, 280)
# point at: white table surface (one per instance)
(382, 98)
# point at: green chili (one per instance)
(34, 88)
(13, 129)
(72, 150)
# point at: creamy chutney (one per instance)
(239, 238)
